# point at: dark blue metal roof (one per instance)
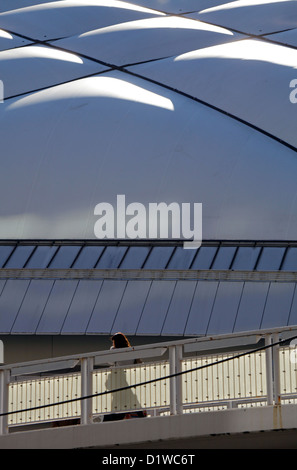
(64, 288)
(219, 256)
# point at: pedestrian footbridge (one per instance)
(199, 392)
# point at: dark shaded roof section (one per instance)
(247, 256)
(146, 288)
(144, 307)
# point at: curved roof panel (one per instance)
(41, 67)
(148, 39)
(214, 125)
(118, 134)
(287, 38)
(69, 17)
(248, 79)
(178, 7)
(8, 5)
(252, 16)
(9, 41)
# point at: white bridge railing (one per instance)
(199, 374)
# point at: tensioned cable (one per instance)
(140, 384)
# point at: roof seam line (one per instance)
(47, 87)
(198, 100)
(215, 108)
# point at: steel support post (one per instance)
(269, 370)
(172, 358)
(4, 392)
(86, 389)
(276, 371)
(179, 384)
(175, 363)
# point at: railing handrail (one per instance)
(109, 354)
(273, 337)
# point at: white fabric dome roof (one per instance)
(207, 118)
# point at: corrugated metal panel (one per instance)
(278, 305)
(180, 305)
(19, 257)
(32, 307)
(10, 302)
(131, 307)
(2, 284)
(64, 257)
(225, 308)
(112, 257)
(156, 307)
(158, 257)
(144, 307)
(270, 259)
(41, 257)
(81, 307)
(290, 261)
(246, 258)
(5, 251)
(135, 257)
(106, 307)
(251, 306)
(293, 313)
(88, 257)
(57, 307)
(224, 257)
(201, 308)
(181, 258)
(150, 256)
(204, 257)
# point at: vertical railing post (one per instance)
(175, 364)
(86, 389)
(4, 395)
(172, 359)
(178, 368)
(269, 370)
(276, 370)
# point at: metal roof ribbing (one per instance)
(148, 255)
(144, 306)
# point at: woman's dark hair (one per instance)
(120, 341)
